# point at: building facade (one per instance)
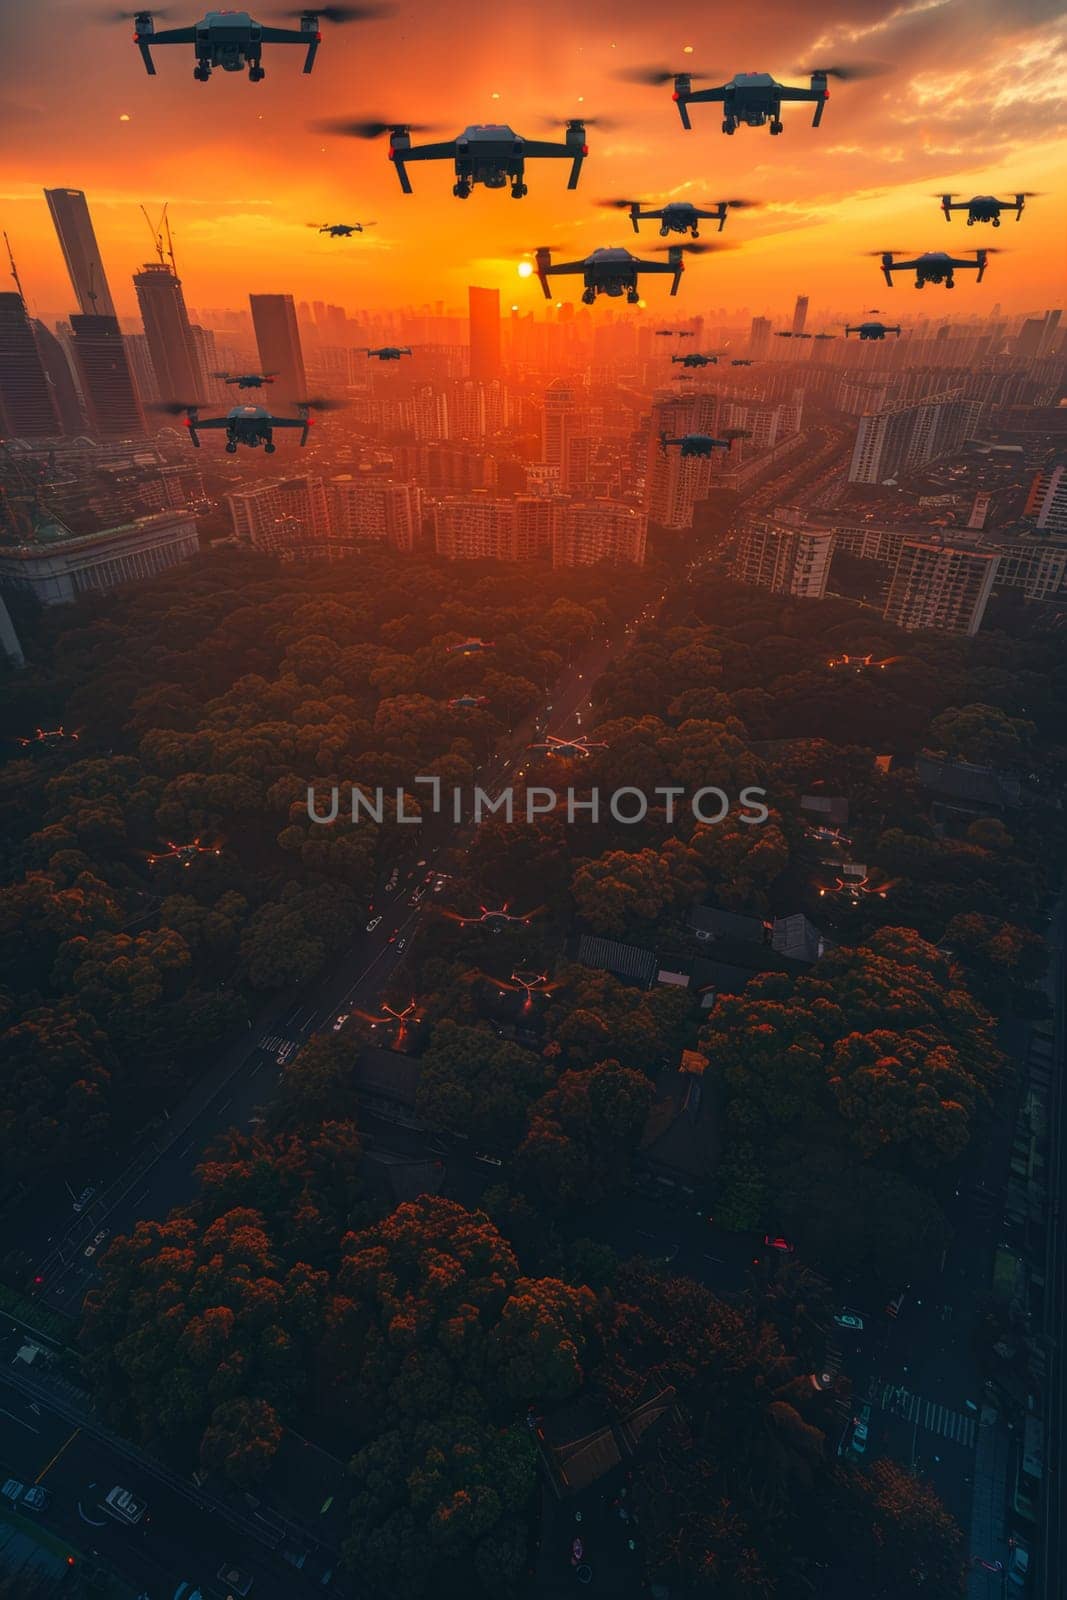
(278, 342)
(68, 565)
(77, 240)
(784, 558)
(588, 531)
(168, 332)
(27, 404)
(369, 507)
(940, 587)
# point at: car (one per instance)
(850, 1320)
(416, 897)
(1018, 1565)
(36, 1499)
(339, 1021)
(123, 1506)
(91, 1249)
(438, 886)
(401, 944)
(373, 923)
(236, 1581)
(861, 1432)
(490, 1161)
(775, 1241)
(13, 1490)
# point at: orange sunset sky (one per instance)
(971, 101)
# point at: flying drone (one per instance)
(389, 1016)
(984, 207)
(820, 833)
(524, 981)
(818, 336)
(47, 736)
(860, 663)
(250, 425)
(856, 888)
(871, 330)
(702, 444)
(494, 917)
(741, 361)
(246, 380)
(341, 230)
(470, 647)
(388, 352)
(490, 154)
(233, 40)
(185, 854)
(468, 702)
(678, 216)
(693, 358)
(613, 272)
(567, 749)
(934, 266)
(789, 334)
(751, 98)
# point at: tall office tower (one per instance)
(73, 224)
(910, 433)
(278, 341)
(208, 363)
(576, 467)
(759, 338)
(673, 482)
(484, 312)
(786, 559)
(104, 371)
(588, 531)
(1052, 506)
(142, 371)
(60, 379)
(800, 313)
(935, 586)
(559, 416)
(167, 329)
(27, 404)
(283, 514)
(1031, 337)
(369, 507)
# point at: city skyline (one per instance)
(941, 117)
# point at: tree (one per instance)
(241, 1441)
(475, 1084)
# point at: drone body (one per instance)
(574, 749)
(229, 40)
(700, 444)
(389, 352)
(871, 330)
(184, 854)
(613, 272)
(341, 230)
(679, 216)
(246, 380)
(750, 98)
(694, 359)
(249, 425)
(934, 266)
(470, 647)
(468, 702)
(47, 736)
(983, 208)
(491, 154)
(741, 361)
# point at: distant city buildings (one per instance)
(800, 314)
(910, 433)
(484, 313)
(56, 565)
(27, 401)
(590, 531)
(278, 342)
(1047, 501)
(282, 515)
(369, 507)
(784, 558)
(675, 483)
(529, 527)
(940, 587)
(759, 338)
(106, 383)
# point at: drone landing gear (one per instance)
(729, 126)
(920, 283)
(996, 222)
(256, 73)
(694, 233)
(776, 126)
(269, 449)
(950, 283)
(663, 232)
(201, 73)
(518, 190)
(632, 297)
(231, 448)
(462, 191)
(588, 296)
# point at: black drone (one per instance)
(233, 40)
(934, 266)
(871, 330)
(693, 358)
(702, 444)
(250, 425)
(741, 361)
(678, 216)
(751, 98)
(491, 154)
(819, 336)
(613, 272)
(387, 352)
(984, 207)
(246, 380)
(789, 334)
(341, 230)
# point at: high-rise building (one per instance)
(27, 403)
(673, 482)
(57, 370)
(471, 527)
(142, 371)
(1052, 507)
(77, 240)
(278, 341)
(785, 558)
(104, 371)
(558, 418)
(759, 338)
(800, 313)
(587, 531)
(909, 433)
(369, 507)
(282, 515)
(1031, 337)
(576, 467)
(484, 310)
(169, 335)
(939, 587)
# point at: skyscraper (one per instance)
(800, 313)
(484, 309)
(104, 371)
(57, 370)
(559, 416)
(27, 406)
(936, 586)
(759, 338)
(278, 341)
(369, 507)
(73, 224)
(170, 338)
(673, 482)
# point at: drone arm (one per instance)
(576, 168)
(636, 215)
(146, 54)
(168, 36)
(1020, 202)
(721, 214)
(980, 263)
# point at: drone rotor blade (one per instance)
(850, 72)
(341, 13)
(656, 77)
(368, 130)
(128, 16)
(319, 403)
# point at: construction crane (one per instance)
(161, 239)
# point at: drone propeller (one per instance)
(605, 124)
(130, 16)
(318, 403)
(656, 77)
(740, 205)
(341, 13)
(622, 205)
(371, 130)
(850, 73)
(897, 252)
(702, 247)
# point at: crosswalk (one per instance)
(956, 1425)
(279, 1047)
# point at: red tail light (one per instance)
(674, 96)
(826, 94)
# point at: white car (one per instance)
(123, 1506)
(340, 1021)
(373, 923)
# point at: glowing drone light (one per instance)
(856, 888)
(860, 663)
(568, 749)
(48, 736)
(470, 647)
(391, 1017)
(186, 854)
(824, 835)
(493, 916)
